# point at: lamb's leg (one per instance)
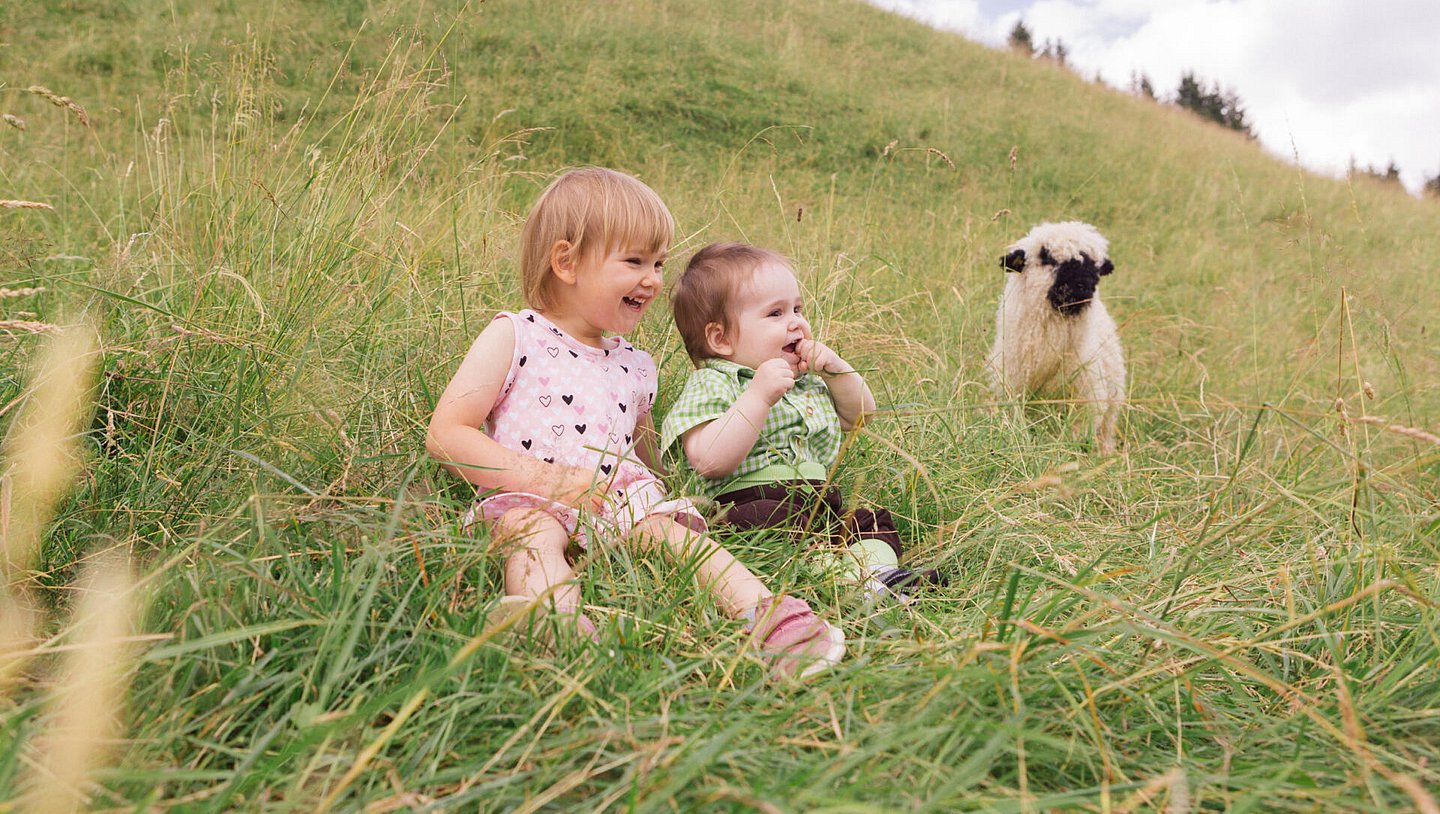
(1002, 390)
(1104, 402)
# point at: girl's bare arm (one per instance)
(455, 439)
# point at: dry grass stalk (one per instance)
(1399, 429)
(61, 101)
(29, 327)
(90, 692)
(10, 293)
(205, 333)
(25, 205)
(1172, 782)
(946, 158)
(14, 121)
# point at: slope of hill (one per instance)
(285, 223)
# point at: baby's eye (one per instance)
(798, 309)
(774, 313)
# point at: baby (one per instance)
(549, 417)
(761, 419)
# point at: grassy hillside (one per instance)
(275, 227)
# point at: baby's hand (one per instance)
(818, 357)
(773, 379)
(578, 487)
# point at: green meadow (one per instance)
(233, 581)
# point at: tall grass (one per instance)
(288, 234)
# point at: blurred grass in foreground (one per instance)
(287, 233)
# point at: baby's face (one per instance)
(767, 319)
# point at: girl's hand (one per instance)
(773, 379)
(578, 487)
(818, 356)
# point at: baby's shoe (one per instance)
(898, 583)
(795, 641)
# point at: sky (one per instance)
(1324, 81)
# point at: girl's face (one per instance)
(607, 294)
(766, 320)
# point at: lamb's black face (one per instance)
(1075, 282)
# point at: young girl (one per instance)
(551, 407)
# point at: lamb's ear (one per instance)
(1106, 267)
(1014, 261)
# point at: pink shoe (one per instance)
(795, 641)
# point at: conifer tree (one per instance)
(1020, 38)
(1219, 106)
(1431, 187)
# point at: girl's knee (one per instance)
(520, 529)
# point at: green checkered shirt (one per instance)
(800, 439)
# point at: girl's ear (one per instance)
(562, 261)
(716, 339)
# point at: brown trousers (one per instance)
(807, 506)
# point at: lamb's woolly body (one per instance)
(1042, 352)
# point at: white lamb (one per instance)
(1053, 336)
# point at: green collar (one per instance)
(742, 373)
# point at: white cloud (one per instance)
(951, 15)
(1330, 80)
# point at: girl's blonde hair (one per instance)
(596, 210)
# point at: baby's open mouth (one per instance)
(790, 348)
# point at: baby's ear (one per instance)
(716, 340)
(562, 261)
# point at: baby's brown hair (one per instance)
(707, 289)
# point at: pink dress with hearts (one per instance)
(569, 403)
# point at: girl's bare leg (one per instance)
(536, 562)
(736, 589)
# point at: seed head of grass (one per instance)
(29, 326)
(40, 459)
(90, 690)
(40, 453)
(61, 101)
(10, 293)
